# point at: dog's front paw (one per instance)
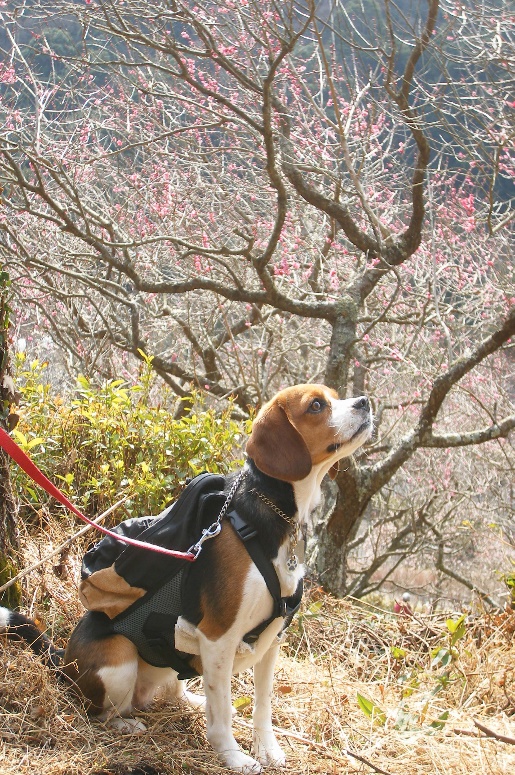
(267, 750)
(240, 762)
(127, 726)
(193, 700)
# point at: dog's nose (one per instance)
(361, 403)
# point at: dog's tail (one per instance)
(19, 627)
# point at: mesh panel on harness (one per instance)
(150, 624)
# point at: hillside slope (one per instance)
(422, 691)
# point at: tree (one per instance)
(8, 512)
(240, 190)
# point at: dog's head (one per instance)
(304, 426)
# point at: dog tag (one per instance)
(297, 556)
(300, 550)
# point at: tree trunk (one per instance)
(335, 533)
(8, 537)
(8, 509)
(343, 338)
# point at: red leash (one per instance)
(24, 461)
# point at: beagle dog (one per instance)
(297, 438)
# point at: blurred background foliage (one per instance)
(103, 442)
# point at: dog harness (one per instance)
(149, 622)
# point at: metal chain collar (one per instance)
(275, 508)
(213, 530)
(292, 561)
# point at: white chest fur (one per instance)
(288, 579)
(256, 607)
(307, 491)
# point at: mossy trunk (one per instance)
(11, 597)
(8, 509)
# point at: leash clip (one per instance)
(207, 533)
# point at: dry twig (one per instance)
(319, 747)
(490, 733)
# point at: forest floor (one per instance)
(357, 690)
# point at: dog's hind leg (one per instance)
(176, 691)
(193, 700)
(119, 683)
(162, 680)
(104, 667)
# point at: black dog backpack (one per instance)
(140, 591)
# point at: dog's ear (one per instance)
(277, 448)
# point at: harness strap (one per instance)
(150, 621)
(159, 632)
(285, 607)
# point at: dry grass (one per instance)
(335, 650)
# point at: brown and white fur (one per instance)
(297, 438)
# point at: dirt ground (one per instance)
(357, 690)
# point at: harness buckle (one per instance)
(244, 530)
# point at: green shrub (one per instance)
(119, 438)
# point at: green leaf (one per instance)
(397, 653)
(196, 470)
(68, 478)
(20, 438)
(241, 702)
(147, 358)
(457, 628)
(441, 656)
(34, 442)
(371, 710)
(314, 609)
(460, 632)
(453, 624)
(33, 494)
(440, 722)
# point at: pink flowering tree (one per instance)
(254, 194)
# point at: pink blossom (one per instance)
(7, 75)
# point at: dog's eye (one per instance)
(316, 406)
